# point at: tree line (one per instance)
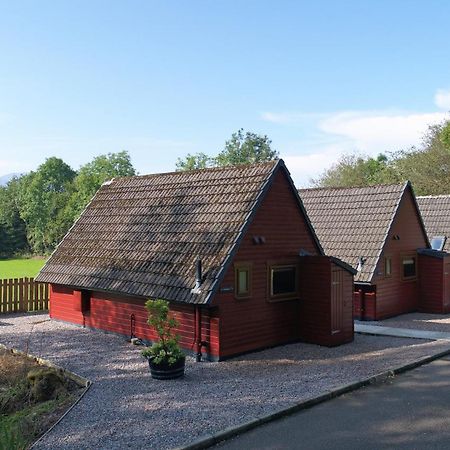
(427, 167)
(38, 208)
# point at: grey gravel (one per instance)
(126, 408)
(416, 321)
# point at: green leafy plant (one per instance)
(166, 350)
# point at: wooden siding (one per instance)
(434, 284)
(326, 302)
(393, 294)
(253, 323)
(113, 313)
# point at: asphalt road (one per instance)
(410, 412)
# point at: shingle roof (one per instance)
(142, 235)
(435, 212)
(353, 222)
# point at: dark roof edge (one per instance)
(433, 253)
(243, 230)
(303, 209)
(422, 223)
(394, 215)
(343, 264)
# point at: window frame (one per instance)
(404, 257)
(387, 259)
(237, 268)
(294, 295)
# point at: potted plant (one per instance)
(165, 358)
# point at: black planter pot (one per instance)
(166, 371)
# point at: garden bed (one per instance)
(32, 398)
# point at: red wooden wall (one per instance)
(252, 323)
(365, 302)
(434, 284)
(113, 313)
(393, 294)
(326, 302)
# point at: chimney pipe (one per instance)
(198, 274)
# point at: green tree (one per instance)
(355, 170)
(246, 148)
(43, 194)
(87, 182)
(428, 168)
(241, 148)
(195, 161)
(13, 235)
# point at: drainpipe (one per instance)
(198, 333)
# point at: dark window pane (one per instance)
(409, 267)
(283, 280)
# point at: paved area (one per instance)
(416, 321)
(126, 408)
(409, 412)
(382, 330)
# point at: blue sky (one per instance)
(161, 79)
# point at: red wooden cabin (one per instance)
(378, 230)
(231, 249)
(435, 284)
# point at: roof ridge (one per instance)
(340, 188)
(434, 196)
(207, 169)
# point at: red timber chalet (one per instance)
(378, 230)
(435, 294)
(231, 249)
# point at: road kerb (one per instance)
(212, 439)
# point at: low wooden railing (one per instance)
(23, 295)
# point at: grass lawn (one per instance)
(32, 398)
(19, 268)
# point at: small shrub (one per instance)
(166, 350)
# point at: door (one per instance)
(446, 286)
(337, 299)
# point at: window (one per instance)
(242, 276)
(283, 281)
(409, 267)
(438, 242)
(387, 266)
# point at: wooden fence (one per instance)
(23, 295)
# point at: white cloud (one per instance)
(305, 167)
(442, 99)
(375, 132)
(326, 137)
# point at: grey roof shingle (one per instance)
(353, 222)
(435, 212)
(142, 235)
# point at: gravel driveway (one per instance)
(126, 408)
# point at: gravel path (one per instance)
(416, 321)
(126, 408)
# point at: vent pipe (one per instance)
(198, 274)
(198, 277)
